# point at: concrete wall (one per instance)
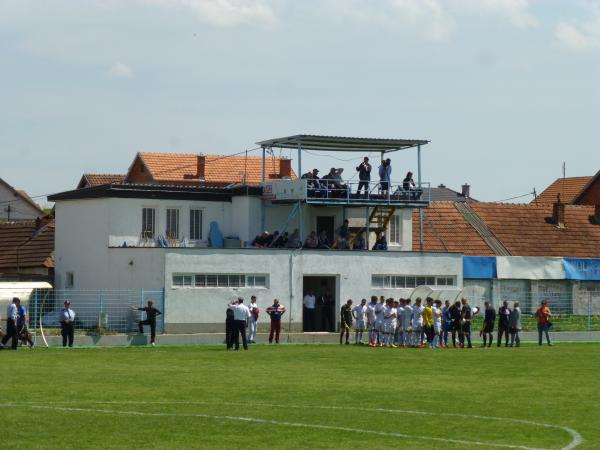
(203, 309)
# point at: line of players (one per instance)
(393, 323)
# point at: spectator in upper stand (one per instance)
(408, 183)
(281, 241)
(313, 183)
(385, 173)
(334, 182)
(381, 243)
(311, 240)
(364, 175)
(344, 234)
(340, 244)
(262, 240)
(273, 238)
(359, 241)
(324, 240)
(294, 240)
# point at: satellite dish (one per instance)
(421, 291)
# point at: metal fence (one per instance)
(96, 312)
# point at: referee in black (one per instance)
(151, 313)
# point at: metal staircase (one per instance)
(378, 220)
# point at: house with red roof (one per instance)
(16, 205)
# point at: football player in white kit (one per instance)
(371, 320)
(389, 323)
(379, 321)
(407, 323)
(417, 324)
(359, 312)
(437, 324)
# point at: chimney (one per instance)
(200, 167)
(558, 214)
(466, 190)
(285, 168)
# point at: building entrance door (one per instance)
(322, 317)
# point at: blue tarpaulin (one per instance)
(582, 269)
(479, 267)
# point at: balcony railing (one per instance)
(327, 192)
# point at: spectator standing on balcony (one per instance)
(514, 325)
(503, 323)
(542, 316)
(67, 330)
(275, 312)
(151, 313)
(311, 240)
(364, 175)
(385, 174)
(309, 302)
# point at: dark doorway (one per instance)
(326, 223)
(322, 318)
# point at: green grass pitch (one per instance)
(302, 396)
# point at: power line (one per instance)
(514, 198)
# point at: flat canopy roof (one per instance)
(341, 143)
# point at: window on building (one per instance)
(69, 280)
(182, 280)
(195, 224)
(148, 222)
(221, 280)
(172, 223)
(395, 228)
(407, 281)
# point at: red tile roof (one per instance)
(219, 169)
(568, 188)
(98, 179)
(524, 230)
(446, 230)
(527, 230)
(21, 244)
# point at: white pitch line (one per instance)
(576, 438)
(279, 423)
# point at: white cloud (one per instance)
(224, 13)
(120, 70)
(426, 17)
(580, 36)
(516, 11)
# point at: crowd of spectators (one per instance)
(344, 240)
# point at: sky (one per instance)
(505, 90)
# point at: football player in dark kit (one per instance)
(466, 315)
(488, 324)
(151, 313)
(503, 323)
(229, 327)
(346, 321)
(454, 313)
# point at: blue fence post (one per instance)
(141, 297)
(164, 310)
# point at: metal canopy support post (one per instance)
(367, 227)
(299, 159)
(264, 176)
(420, 210)
(300, 221)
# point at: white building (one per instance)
(157, 234)
(16, 205)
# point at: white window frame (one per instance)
(219, 281)
(168, 223)
(393, 281)
(144, 232)
(395, 230)
(199, 226)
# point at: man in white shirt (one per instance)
(379, 321)
(67, 329)
(437, 324)
(407, 323)
(389, 323)
(359, 312)
(371, 320)
(12, 315)
(417, 323)
(241, 313)
(310, 302)
(254, 311)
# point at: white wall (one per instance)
(202, 309)
(19, 208)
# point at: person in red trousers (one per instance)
(275, 312)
